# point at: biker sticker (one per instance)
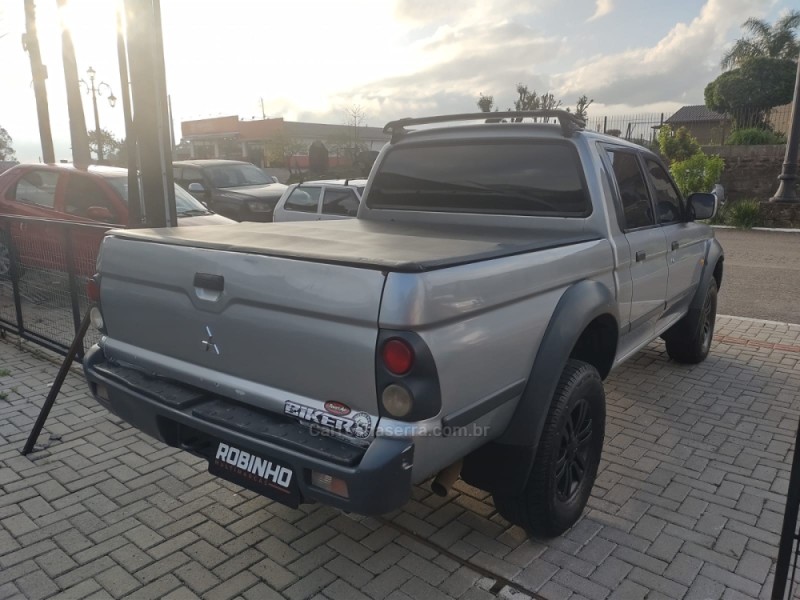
(358, 425)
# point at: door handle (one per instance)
(641, 255)
(675, 245)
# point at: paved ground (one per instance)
(687, 505)
(762, 275)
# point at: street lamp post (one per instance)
(98, 91)
(788, 177)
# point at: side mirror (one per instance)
(702, 206)
(197, 188)
(100, 213)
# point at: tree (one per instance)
(281, 149)
(486, 103)
(355, 117)
(755, 87)
(778, 40)
(531, 100)
(678, 145)
(110, 144)
(6, 149)
(582, 107)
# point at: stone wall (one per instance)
(778, 214)
(750, 171)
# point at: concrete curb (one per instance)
(762, 321)
(776, 229)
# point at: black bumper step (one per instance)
(277, 429)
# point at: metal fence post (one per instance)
(73, 285)
(16, 268)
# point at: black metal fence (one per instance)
(44, 265)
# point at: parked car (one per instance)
(233, 188)
(463, 323)
(320, 200)
(62, 192)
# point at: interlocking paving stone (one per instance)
(688, 502)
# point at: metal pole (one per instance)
(97, 137)
(30, 41)
(788, 529)
(788, 177)
(77, 343)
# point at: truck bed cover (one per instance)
(388, 246)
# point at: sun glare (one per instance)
(87, 20)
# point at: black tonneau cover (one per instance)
(380, 245)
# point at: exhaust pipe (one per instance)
(446, 478)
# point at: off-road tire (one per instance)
(689, 340)
(567, 458)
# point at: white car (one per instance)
(320, 200)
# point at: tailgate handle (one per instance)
(207, 281)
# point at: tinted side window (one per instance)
(668, 201)
(632, 189)
(190, 175)
(37, 187)
(340, 202)
(82, 194)
(502, 178)
(303, 199)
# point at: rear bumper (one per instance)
(378, 478)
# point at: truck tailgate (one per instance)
(262, 329)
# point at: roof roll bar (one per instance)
(570, 123)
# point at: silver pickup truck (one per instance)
(460, 326)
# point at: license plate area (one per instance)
(243, 466)
(255, 472)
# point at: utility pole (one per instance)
(134, 198)
(263, 114)
(30, 43)
(788, 177)
(77, 121)
(150, 111)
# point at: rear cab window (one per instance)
(632, 188)
(536, 178)
(303, 199)
(37, 187)
(340, 202)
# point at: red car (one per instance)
(97, 195)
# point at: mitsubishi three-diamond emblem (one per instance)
(208, 343)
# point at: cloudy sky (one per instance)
(311, 60)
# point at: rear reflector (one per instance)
(93, 290)
(398, 356)
(97, 318)
(331, 484)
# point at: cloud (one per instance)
(467, 11)
(603, 8)
(676, 68)
(458, 64)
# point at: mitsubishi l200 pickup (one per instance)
(461, 325)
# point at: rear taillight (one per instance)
(406, 378)
(93, 294)
(398, 356)
(93, 290)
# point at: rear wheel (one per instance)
(689, 340)
(567, 458)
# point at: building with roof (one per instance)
(708, 126)
(275, 142)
